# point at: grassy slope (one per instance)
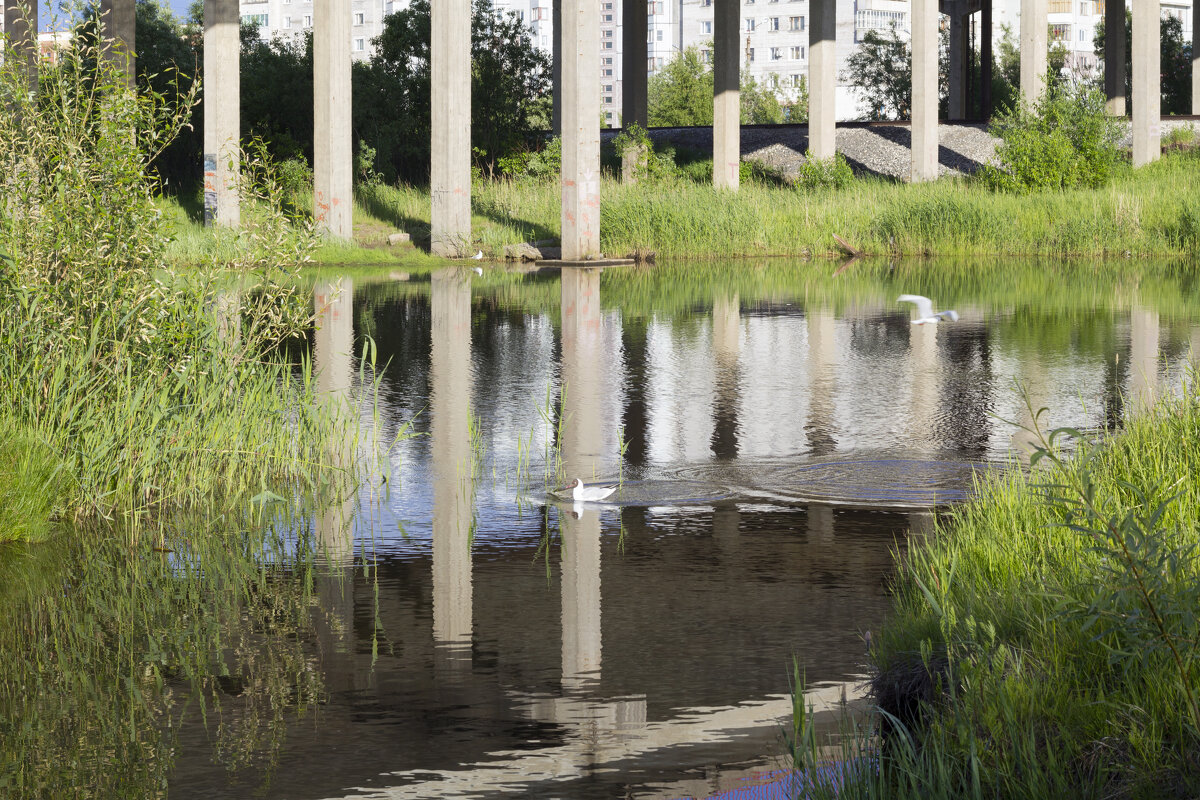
(1045, 701)
(1151, 211)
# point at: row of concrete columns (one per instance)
(577, 93)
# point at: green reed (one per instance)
(151, 391)
(1045, 642)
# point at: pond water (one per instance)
(456, 631)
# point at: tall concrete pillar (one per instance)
(222, 112)
(450, 129)
(1147, 92)
(1033, 49)
(727, 103)
(333, 189)
(634, 18)
(960, 74)
(985, 59)
(450, 443)
(822, 86)
(20, 26)
(556, 66)
(1195, 58)
(582, 639)
(924, 90)
(118, 24)
(581, 130)
(1114, 57)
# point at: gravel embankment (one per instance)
(871, 149)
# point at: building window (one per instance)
(308, 20)
(256, 19)
(607, 17)
(795, 23)
(750, 52)
(608, 73)
(608, 87)
(658, 35)
(773, 24)
(360, 45)
(654, 7)
(608, 99)
(360, 18)
(608, 34)
(797, 53)
(706, 56)
(1060, 32)
(706, 3)
(1081, 32)
(607, 60)
(873, 19)
(749, 24)
(706, 26)
(776, 53)
(796, 79)
(287, 22)
(608, 46)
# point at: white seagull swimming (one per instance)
(587, 494)
(478, 256)
(925, 313)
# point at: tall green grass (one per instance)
(148, 391)
(1046, 642)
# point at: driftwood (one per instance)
(849, 248)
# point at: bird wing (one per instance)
(924, 304)
(950, 315)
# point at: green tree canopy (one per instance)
(681, 93)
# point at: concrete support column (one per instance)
(1195, 59)
(1147, 92)
(727, 102)
(118, 26)
(450, 129)
(1114, 57)
(1033, 49)
(960, 75)
(581, 130)
(582, 429)
(20, 25)
(634, 18)
(1143, 349)
(985, 60)
(333, 189)
(822, 87)
(924, 90)
(222, 112)
(556, 67)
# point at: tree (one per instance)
(759, 102)
(167, 65)
(882, 68)
(510, 82)
(681, 93)
(1176, 67)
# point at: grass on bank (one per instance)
(143, 392)
(1045, 644)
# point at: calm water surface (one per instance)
(780, 436)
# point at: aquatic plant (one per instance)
(1045, 644)
(150, 390)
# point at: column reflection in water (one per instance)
(726, 334)
(333, 363)
(1023, 440)
(822, 371)
(453, 479)
(582, 435)
(1143, 358)
(333, 366)
(922, 415)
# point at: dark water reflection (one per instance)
(781, 437)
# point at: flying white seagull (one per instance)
(925, 313)
(587, 494)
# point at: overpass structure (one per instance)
(578, 108)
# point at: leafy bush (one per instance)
(542, 164)
(1065, 140)
(824, 173)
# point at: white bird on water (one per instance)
(478, 256)
(925, 313)
(588, 494)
